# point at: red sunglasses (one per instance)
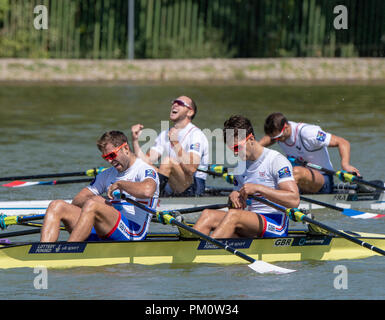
(235, 147)
(113, 154)
(280, 134)
(181, 103)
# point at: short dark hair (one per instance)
(274, 122)
(236, 123)
(116, 138)
(194, 107)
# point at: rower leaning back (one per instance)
(182, 149)
(267, 173)
(309, 143)
(93, 217)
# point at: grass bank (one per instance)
(273, 70)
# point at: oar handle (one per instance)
(224, 174)
(6, 221)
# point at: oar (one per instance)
(218, 171)
(197, 209)
(257, 265)
(299, 216)
(342, 175)
(19, 233)
(347, 212)
(90, 173)
(19, 184)
(216, 190)
(6, 221)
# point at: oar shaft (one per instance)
(89, 172)
(348, 176)
(31, 218)
(304, 217)
(71, 181)
(344, 235)
(368, 183)
(324, 204)
(201, 208)
(23, 184)
(19, 233)
(173, 221)
(212, 240)
(42, 176)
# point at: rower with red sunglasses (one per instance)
(181, 150)
(310, 143)
(93, 217)
(265, 173)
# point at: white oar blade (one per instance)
(264, 267)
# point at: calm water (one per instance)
(53, 128)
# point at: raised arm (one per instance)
(152, 156)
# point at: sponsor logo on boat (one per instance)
(356, 197)
(57, 248)
(311, 241)
(234, 243)
(363, 197)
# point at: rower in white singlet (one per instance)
(267, 174)
(134, 222)
(91, 216)
(310, 143)
(182, 149)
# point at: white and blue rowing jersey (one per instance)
(192, 139)
(138, 172)
(309, 143)
(270, 169)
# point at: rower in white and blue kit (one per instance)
(309, 143)
(266, 173)
(93, 217)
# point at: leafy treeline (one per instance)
(97, 29)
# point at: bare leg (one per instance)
(209, 220)
(239, 223)
(178, 179)
(94, 213)
(58, 211)
(308, 180)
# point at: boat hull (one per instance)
(166, 249)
